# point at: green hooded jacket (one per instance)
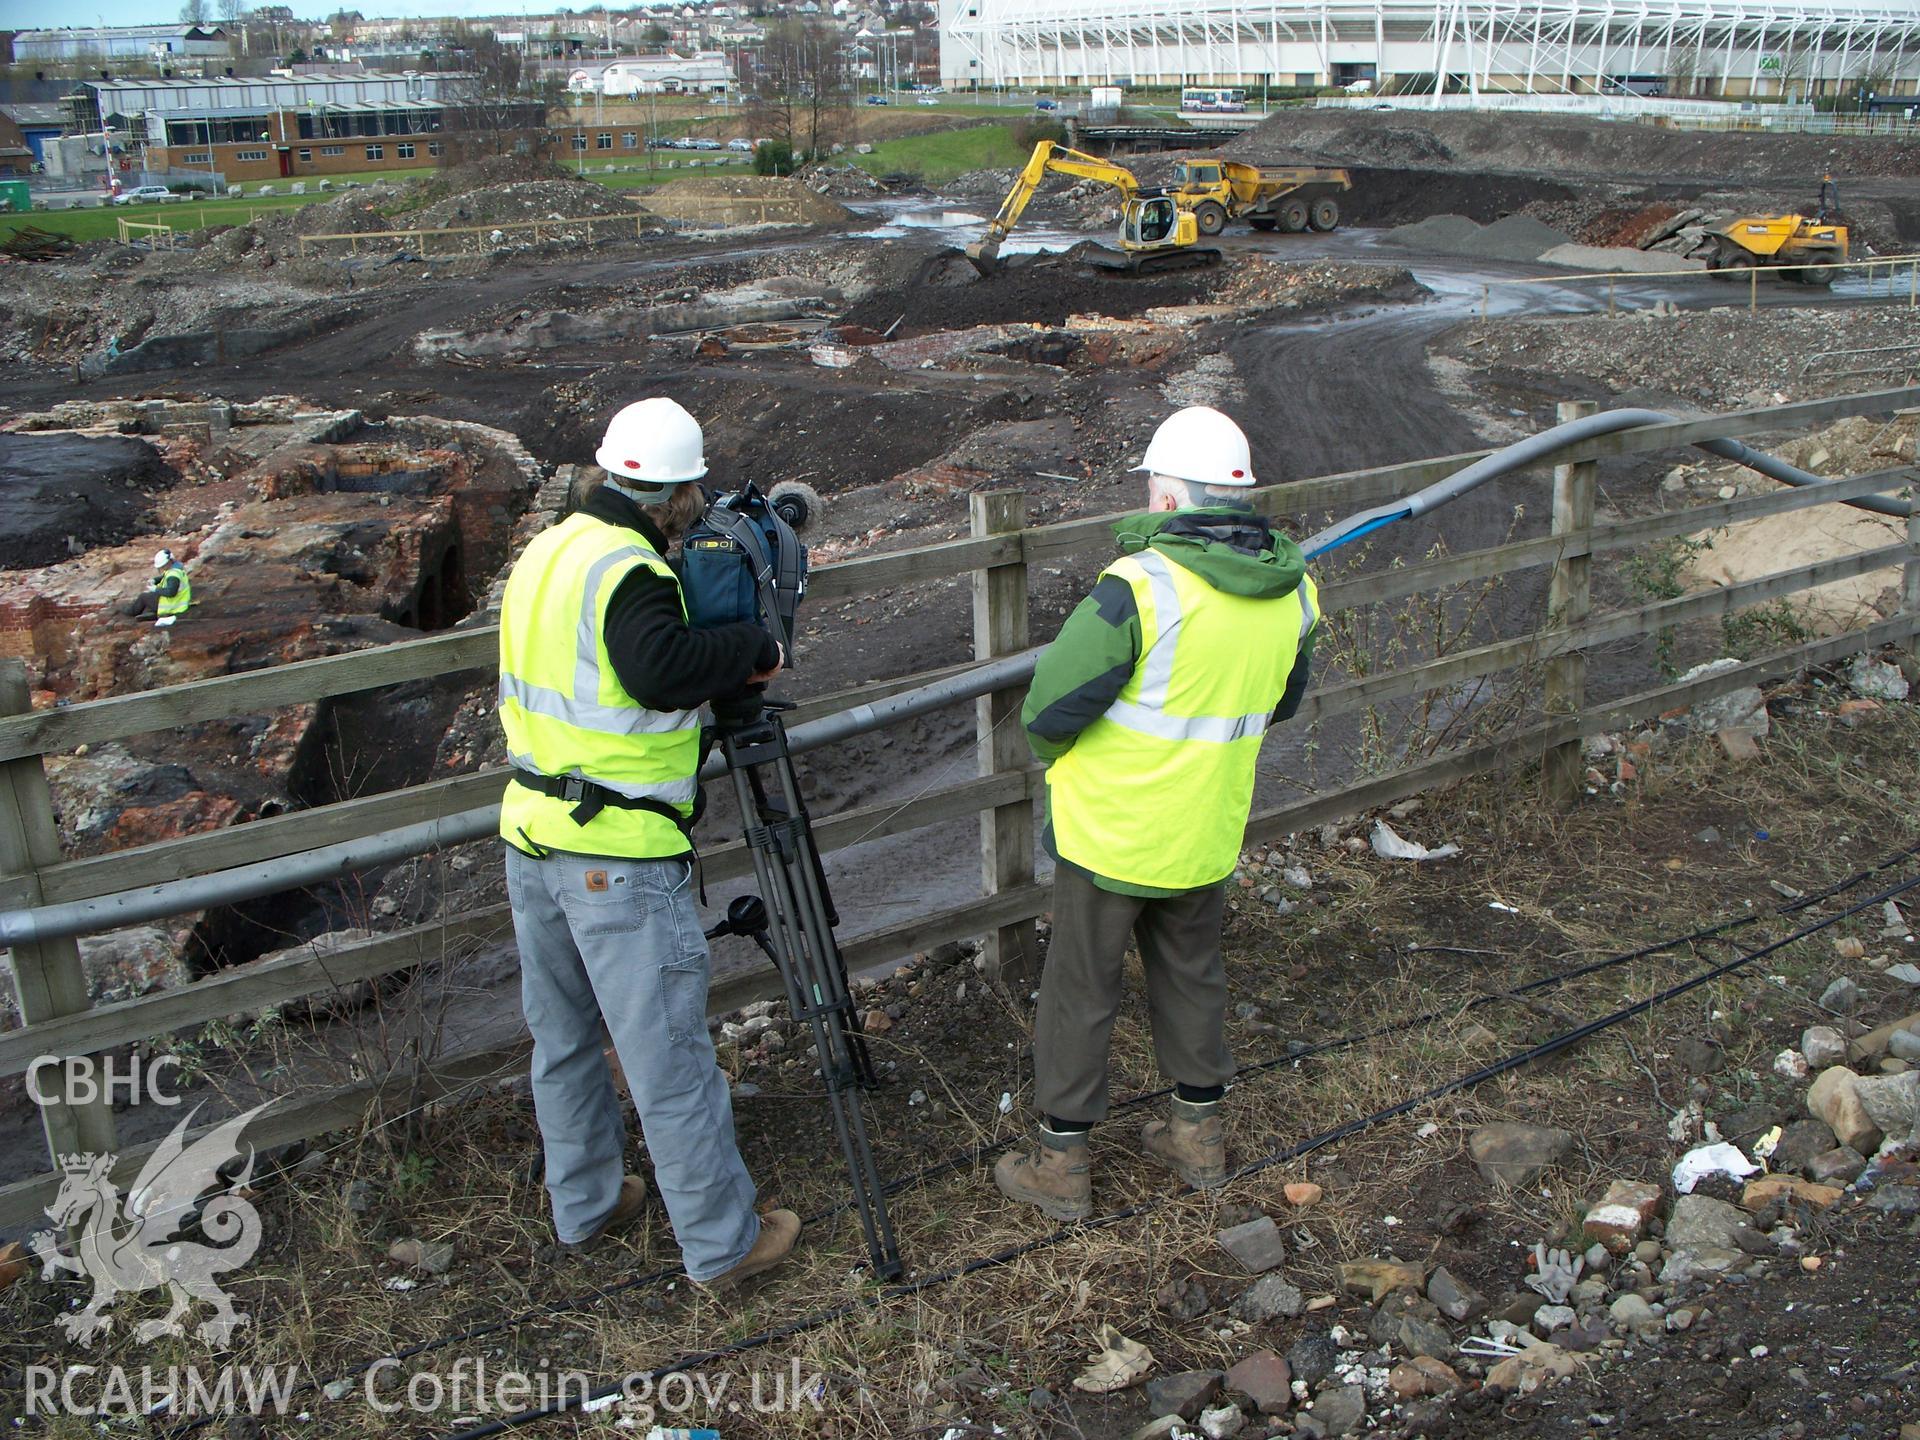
(1090, 661)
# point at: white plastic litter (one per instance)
(1721, 1159)
(1388, 845)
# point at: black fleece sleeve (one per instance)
(1296, 690)
(169, 585)
(666, 664)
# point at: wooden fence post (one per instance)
(1000, 628)
(47, 977)
(1569, 599)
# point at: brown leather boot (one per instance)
(778, 1230)
(627, 1208)
(1051, 1173)
(1189, 1142)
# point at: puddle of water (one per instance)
(895, 220)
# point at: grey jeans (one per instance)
(620, 940)
(1081, 986)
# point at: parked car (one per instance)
(745, 147)
(1043, 103)
(142, 195)
(878, 100)
(703, 144)
(928, 100)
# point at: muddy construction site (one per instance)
(347, 419)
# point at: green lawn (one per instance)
(103, 224)
(935, 158)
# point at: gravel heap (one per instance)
(1513, 237)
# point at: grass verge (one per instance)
(940, 157)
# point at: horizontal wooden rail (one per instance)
(21, 1202)
(52, 731)
(301, 830)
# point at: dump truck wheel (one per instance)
(1210, 216)
(1325, 214)
(1263, 222)
(1293, 216)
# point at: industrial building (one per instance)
(703, 73)
(141, 43)
(287, 127)
(1710, 48)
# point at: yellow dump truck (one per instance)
(1813, 246)
(1267, 197)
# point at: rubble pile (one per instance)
(557, 199)
(842, 182)
(305, 533)
(1720, 359)
(746, 200)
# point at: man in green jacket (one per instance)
(1148, 709)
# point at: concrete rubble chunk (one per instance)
(1455, 1299)
(1703, 1234)
(1185, 1394)
(1841, 1165)
(1265, 1379)
(1799, 1143)
(1619, 1218)
(1892, 1104)
(1268, 1298)
(1517, 1154)
(1904, 1045)
(1787, 1189)
(1823, 1046)
(1222, 1422)
(1341, 1410)
(1256, 1245)
(1834, 1098)
(1875, 679)
(1842, 997)
(1632, 1313)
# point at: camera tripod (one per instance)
(792, 921)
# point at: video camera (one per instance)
(742, 561)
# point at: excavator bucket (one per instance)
(985, 255)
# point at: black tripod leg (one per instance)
(810, 968)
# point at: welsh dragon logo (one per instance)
(182, 1185)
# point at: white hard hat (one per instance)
(1202, 446)
(162, 559)
(652, 445)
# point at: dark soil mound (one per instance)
(947, 293)
(93, 488)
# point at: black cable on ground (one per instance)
(1515, 1061)
(972, 1155)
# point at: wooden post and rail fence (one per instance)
(999, 555)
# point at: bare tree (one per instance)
(496, 92)
(233, 12)
(194, 12)
(1683, 70)
(803, 88)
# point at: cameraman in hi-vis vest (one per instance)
(1148, 709)
(603, 689)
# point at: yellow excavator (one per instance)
(1155, 233)
(1814, 246)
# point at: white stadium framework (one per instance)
(1705, 48)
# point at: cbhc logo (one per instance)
(84, 1080)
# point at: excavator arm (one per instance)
(1048, 158)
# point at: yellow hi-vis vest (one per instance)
(1156, 791)
(176, 603)
(565, 711)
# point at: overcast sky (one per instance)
(33, 14)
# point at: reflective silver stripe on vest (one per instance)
(1156, 672)
(1308, 615)
(586, 652)
(672, 792)
(585, 715)
(1220, 729)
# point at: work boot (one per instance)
(1051, 1173)
(778, 1230)
(627, 1208)
(1189, 1142)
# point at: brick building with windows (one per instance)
(294, 127)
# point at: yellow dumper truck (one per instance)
(1267, 197)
